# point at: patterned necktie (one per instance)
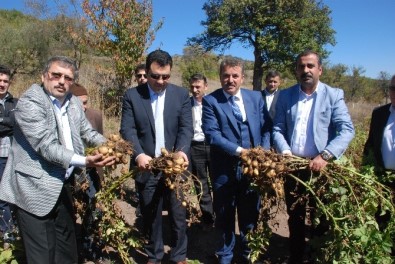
(159, 129)
(235, 109)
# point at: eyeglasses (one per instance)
(55, 76)
(141, 75)
(158, 76)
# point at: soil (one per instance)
(203, 242)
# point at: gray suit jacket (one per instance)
(35, 171)
(332, 126)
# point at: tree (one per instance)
(382, 83)
(196, 60)
(334, 75)
(276, 30)
(24, 42)
(120, 29)
(356, 87)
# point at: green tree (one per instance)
(120, 29)
(24, 41)
(276, 30)
(356, 84)
(334, 75)
(382, 83)
(196, 60)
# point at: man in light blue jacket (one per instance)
(311, 121)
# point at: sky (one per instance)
(365, 32)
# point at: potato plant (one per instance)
(346, 199)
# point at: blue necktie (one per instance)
(235, 109)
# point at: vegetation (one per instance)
(276, 30)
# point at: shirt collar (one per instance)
(316, 91)
(152, 93)
(267, 93)
(237, 95)
(57, 103)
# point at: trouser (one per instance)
(6, 222)
(50, 239)
(153, 195)
(232, 192)
(200, 161)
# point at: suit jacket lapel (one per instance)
(224, 104)
(53, 112)
(75, 136)
(294, 98)
(146, 102)
(250, 113)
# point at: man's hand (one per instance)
(98, 161)
(143, 161)
(318, 163)
(184, 156)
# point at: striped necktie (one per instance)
(235, 109)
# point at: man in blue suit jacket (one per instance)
(229, 135)
(311, 121)
(154, 115)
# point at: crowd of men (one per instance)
(44, 133)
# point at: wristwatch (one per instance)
(326, 155)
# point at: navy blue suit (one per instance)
(138, 127)
(230, 187)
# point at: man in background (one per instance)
(200, 150)
(270, 93)
(94, 116)
(140, 75)
(93, 175)
(158, 115)
(7, 106)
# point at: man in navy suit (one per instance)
(311, 121)
(234, 120)
(154, 115)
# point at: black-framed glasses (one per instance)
(56, 76)
(164, 77)
(141, 75)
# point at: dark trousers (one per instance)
(153, 195)
(200, 161)
(296, 208)
(50, 239)
(232, 192)
(6, 222)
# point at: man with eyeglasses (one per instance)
(158, 115)
(380, 145)
(140, 75)
(49, 136)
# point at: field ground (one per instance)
(202, 242)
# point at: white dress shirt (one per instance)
(158, 105)
(388, 143)
(63, 118)
(269, 98)
(303, 144)
(198, 134)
